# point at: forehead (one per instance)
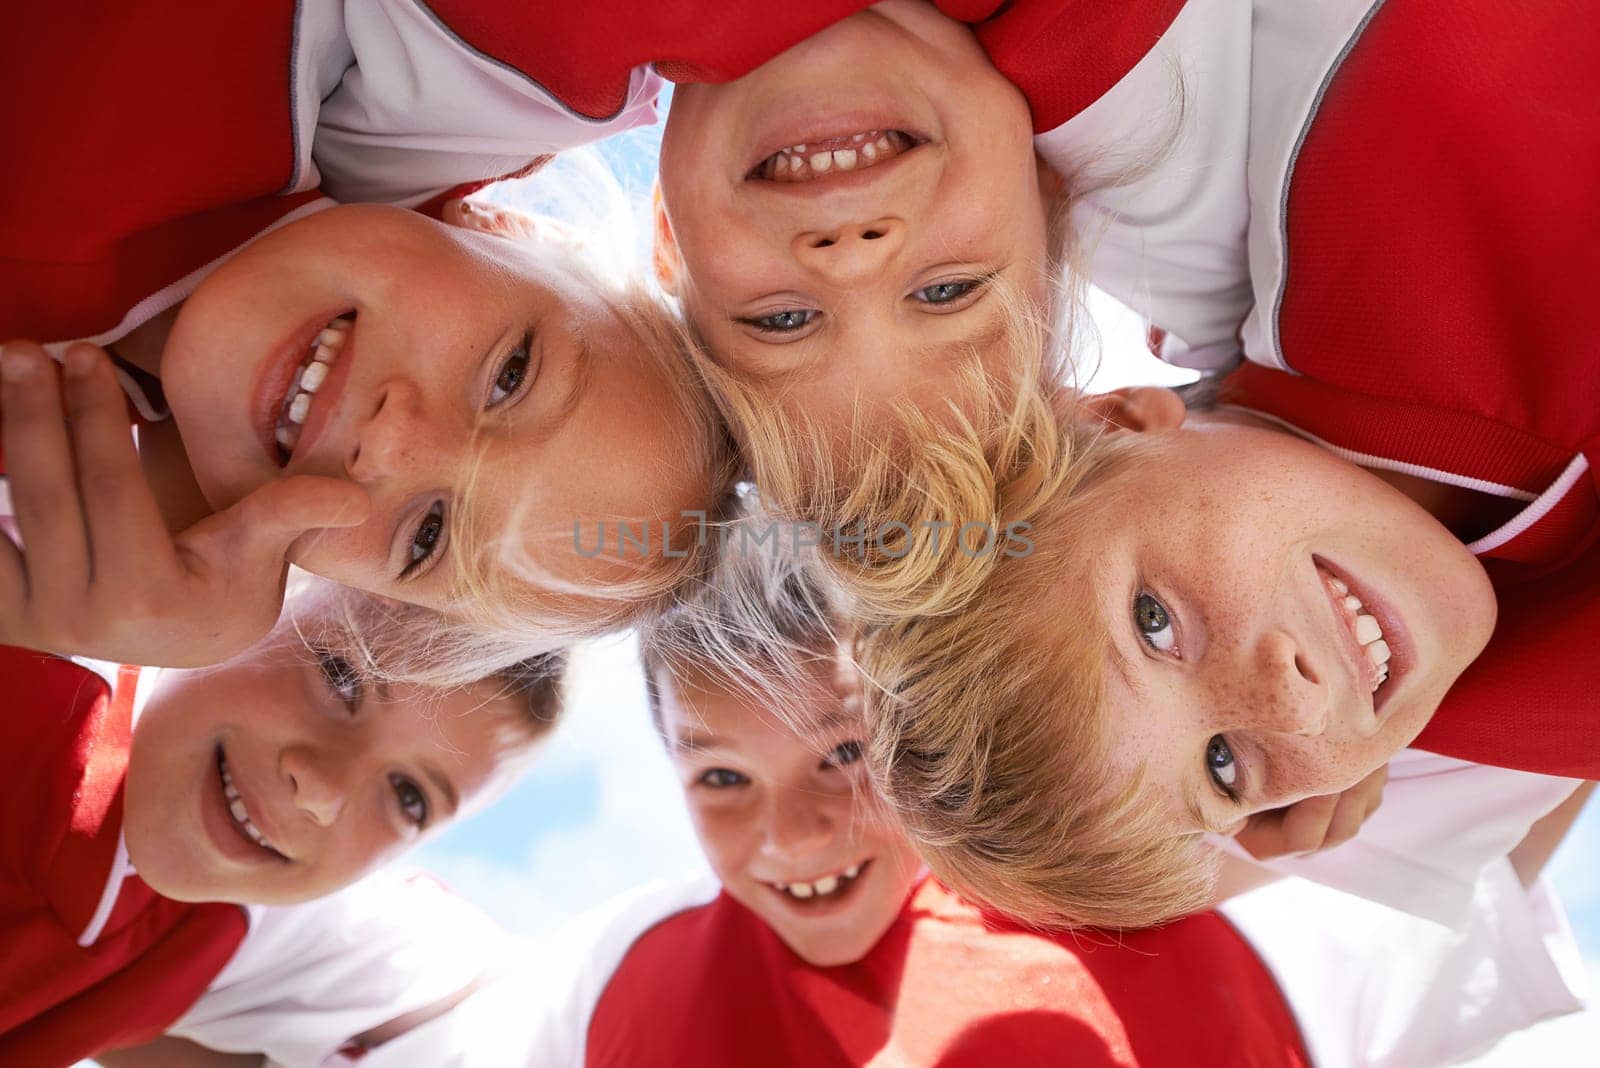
(700, 705)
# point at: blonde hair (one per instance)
(988, 732)
(508, 607)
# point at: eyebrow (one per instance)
(695, 741)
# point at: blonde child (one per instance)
(149, 805)
(373, 346)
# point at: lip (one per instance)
(817, 908)
(227, 837)
(277, 374)
(1395, 633)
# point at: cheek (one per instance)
(724, 838)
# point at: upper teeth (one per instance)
(822, 887)
(313, 372)
(1368, 632)
(801, 162)
(236, 808)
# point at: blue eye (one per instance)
(844, 754)
(413, 802)
(512, 373)
(1154, 624)
(946, 292)
(783, 322)
(721, 779)
(1220, 765)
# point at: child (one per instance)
(431, 337)
(819, 942)
(148, 805)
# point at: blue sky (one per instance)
(600, 813)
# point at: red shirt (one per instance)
(713, 986)
(90, 957)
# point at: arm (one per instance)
(1534, 851)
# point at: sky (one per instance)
(601, 813)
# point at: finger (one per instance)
(252, 538)
(1305, 823)
(1347, 818)
(39, 464)
(124, 523)
(1263, 835)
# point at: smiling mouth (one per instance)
(811, 160)
(308, 378)
(237, 810)
(825, 887)
(1364, 628)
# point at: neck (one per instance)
(143, 345)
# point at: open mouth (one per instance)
(810, 160)
(1365, 624)
(308, 377)
(824, 888)
(238, 810)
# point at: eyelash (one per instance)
(765, 323)
(711, 778)
(408, 794)
(521, 353)
(341, 678)
(430, 529)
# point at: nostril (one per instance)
(1303, 666)
(826, 242)
(871, 235)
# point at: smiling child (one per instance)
(156, 802)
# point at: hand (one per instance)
(98, 574)
(1315, 823)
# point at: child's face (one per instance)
(873, 278)
(779, 820)
(466, 349)
(1240, 679)
(276, 778)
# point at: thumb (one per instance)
(259, 529)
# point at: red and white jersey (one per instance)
(1389, 210)
(90, 957)
(686, 975)
(147, 143)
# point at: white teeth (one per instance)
(313, 376)
(827, 885)
(844, 158)
(821, 162)
(852, 871)
(240, 813)
(1378, 653)
(858, 138)
(798, 148)
(869, 151)
(299, 408)
(236, 808)
(1353, 603)
(883, 144)
(1367, 629)
(800, 890)
(1339, 586)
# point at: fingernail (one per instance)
(79, 362)
(16, 365)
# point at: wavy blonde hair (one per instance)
(988, 726)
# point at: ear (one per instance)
(1138, 408)
(506, 222)
(664, 258)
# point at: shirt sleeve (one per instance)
(421, 111)
(309, 978)
(1158, 169)
(1442, 824)
(1376, 988)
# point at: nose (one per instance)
(391, 437)
(797, 824)
(317, 783)
(1289, 695)
(852, 251)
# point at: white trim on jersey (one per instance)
(1525, 519)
